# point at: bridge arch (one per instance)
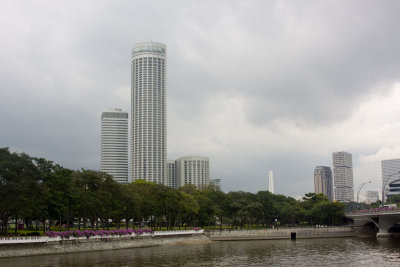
(371, 228)
(395, 228)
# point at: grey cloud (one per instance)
(321, 64)
(309, 63)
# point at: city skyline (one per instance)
(229, 93)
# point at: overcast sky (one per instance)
(253, 85)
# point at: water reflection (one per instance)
(303, 252)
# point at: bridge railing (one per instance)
(377, 210)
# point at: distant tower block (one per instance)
(343, 176)
(114, 144)
(271, 182)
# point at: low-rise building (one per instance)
(215, 184)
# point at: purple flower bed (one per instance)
(89, 233)
(142, 231)
(196, 229)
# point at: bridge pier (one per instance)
(383, 235)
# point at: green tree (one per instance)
(111, 192)
(238, 211)
(171, 198)
(151, 199)
(292, 213)
(59, 196)
(188, 189)
(94, 198)
(309, 202)
(328, 213)
(270, 207)
(19, 187)
(131, 204)
(376, 204)
(220, 204)
(394, 199)
(205, 215)
(188, 207)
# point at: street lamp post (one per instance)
(359, 190)
(384, 186)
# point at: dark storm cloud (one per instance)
(318, 64)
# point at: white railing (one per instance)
(375, 211)
(46, 239)
(23, 239)
(178, 232)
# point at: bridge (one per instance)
(386, 220)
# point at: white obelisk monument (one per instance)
(271, 182)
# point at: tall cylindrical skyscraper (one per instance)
(148, 113)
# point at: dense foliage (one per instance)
(34, 189)
(394, 199)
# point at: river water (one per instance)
(301, 252)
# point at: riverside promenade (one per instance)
(29, 246)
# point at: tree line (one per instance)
(35, 189)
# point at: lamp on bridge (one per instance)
(359, 190)
(384, 186)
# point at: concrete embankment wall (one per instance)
(68, 246)
(285, 233)
(164, 238)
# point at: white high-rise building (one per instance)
(343, 176)
(271, 182)
(391, 177)
(114, 144)
(171, 174)
(148, 113)
(193, 170)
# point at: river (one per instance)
(302, 252)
